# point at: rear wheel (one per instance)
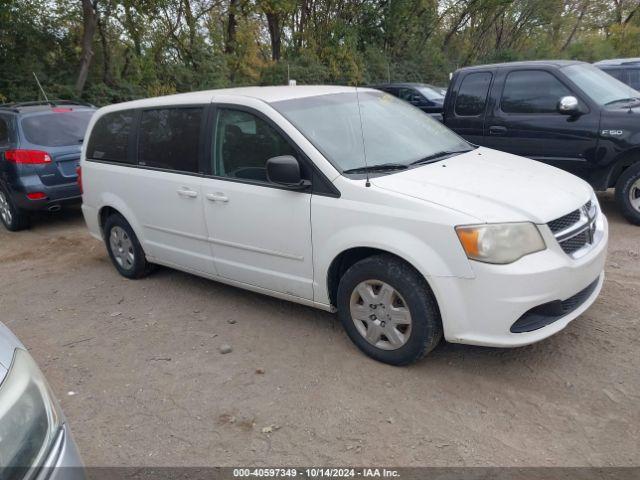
(388, 310)
(628, 193)
(124, 249)
(12, 217)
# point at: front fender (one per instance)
(429, 262)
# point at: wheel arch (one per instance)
(345, 259)
(113, 205)
(623, 161)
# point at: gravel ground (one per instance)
(138, 369)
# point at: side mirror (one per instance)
(415, 99)
(285, 170)
(569, 105)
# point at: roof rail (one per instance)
(51, 103)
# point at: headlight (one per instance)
(500, 243)
(29, 417)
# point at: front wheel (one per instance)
(388, 310)
(628, 193)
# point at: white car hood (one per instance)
(493, 186)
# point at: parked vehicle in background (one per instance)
(564, 113)
(40, 146)
(350, 200)
(35, 440)
(426, 97)
(627, 70)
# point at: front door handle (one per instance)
(217, 197)
(187, 193)
(497, 130)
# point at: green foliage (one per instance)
(157, 47)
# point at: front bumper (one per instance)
(63, 461)
(482, 310)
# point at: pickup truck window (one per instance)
(472, 96)
(634, 78)
(601, 87)
(532, 91)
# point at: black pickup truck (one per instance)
(565, 113)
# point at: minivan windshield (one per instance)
(57, 127)
(601, 87)
(393, 133)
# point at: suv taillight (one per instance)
(27, 156)
(79, 173)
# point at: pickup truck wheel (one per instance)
(388, 310)
(124, 249)
(628, 193)
(12, 218)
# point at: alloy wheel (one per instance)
(634, 195)
(5, 209)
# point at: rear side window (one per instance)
(56, 128)
(532, 91)
(4, 131)
(472, 95)
(634, 78)
(110, 137)
(170, 138)
(617, 73)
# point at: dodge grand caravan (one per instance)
(350, 201)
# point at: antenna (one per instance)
(40, 87)
(364, 148)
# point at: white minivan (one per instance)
(348, 200)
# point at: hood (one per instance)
(493, 186)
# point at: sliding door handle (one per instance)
(187, 193)
(497, 130)
(217, 197)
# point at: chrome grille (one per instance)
(575, 230)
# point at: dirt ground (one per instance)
(137, 369)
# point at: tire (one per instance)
(11, 216)
(398, 344)
(628, 193)
(124, 249)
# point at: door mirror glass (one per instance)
(569, 105)
(285, 170)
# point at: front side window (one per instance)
(408, 94)
(109, 140)
(243, 144)
(170, 138)
(532, 91)
(472, 95)
(368, 129)
(57, 127)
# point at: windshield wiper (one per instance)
(439, 156)
(620, 100)
(377, 168)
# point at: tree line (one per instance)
(105, 51)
